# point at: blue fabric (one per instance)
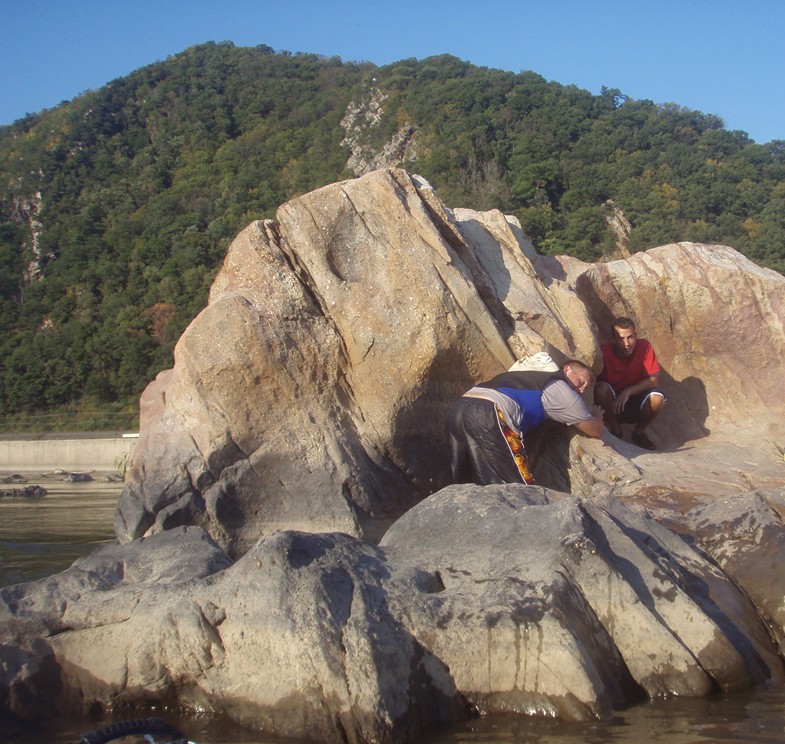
(530, 402)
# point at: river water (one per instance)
(40, 537)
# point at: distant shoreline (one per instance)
(34, 478)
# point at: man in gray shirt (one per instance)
(485, 427)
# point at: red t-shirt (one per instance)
(621, 372)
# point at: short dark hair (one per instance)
(622, 322)
(581, 365)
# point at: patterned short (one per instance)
(517, 449)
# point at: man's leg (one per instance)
(479, 450)
(457, 442)
(517, 451)
(604, 395)
(651, 407)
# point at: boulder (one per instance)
(548, 604)
(736, 532)
(294, 638)
(291, 555)
(478, 600)
(310, 393)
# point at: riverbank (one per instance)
(75, 452)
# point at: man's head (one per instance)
(624, 336)
(578, 375)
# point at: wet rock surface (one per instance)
(479, 599)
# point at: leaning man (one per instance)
(485, 427)
(626, 389)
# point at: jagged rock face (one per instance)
(311, 392)
(360, 122)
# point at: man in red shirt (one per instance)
(626, 389)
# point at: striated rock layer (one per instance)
(291, 556)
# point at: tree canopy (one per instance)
(118, 206)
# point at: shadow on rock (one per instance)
(684, 417)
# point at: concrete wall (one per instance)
(43, 455)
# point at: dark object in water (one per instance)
(28, 492)
(70, 477)
(15, 478)
(139, 727)
(77, 477)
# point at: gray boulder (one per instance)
(556, 606)
(496, 599)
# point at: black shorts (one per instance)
(635, 403)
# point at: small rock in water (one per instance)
(77, 477)
(15, 478)
(28, 492)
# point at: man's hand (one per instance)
(621, 401)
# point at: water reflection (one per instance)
(754, 716)
(42, 536)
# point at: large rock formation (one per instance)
(310, 393)
(497, 599)
(256, 573)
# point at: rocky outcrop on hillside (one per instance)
(291, 555)
(361, 122)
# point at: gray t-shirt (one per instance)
(562, 403)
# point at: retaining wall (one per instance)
(43, 455)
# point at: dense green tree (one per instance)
(118, 207)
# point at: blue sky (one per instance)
(723, 57)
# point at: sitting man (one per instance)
(626, 389)
(485, 427)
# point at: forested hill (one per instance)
(117, 207)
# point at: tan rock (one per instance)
(717, 322)
(311, 392)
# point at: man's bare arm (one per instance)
(591, 427)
